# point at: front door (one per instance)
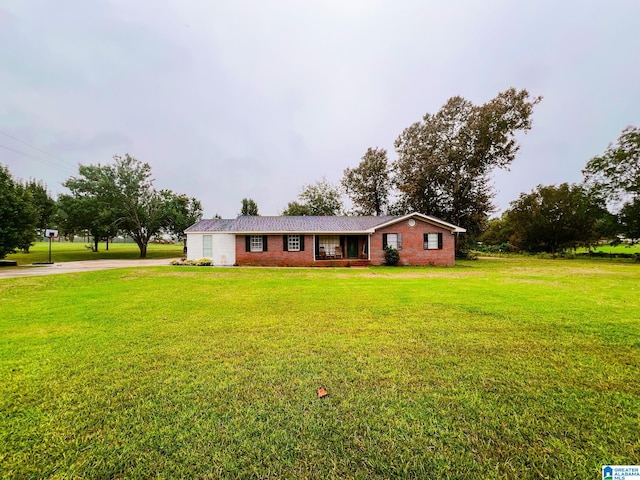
(352, 247)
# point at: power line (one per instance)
(47, 162)
(35, 148)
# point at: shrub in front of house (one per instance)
(202, 262)
(391, 256)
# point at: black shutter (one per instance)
(285, 243)
(425, 241)
(264, 243)
(439, 241)
(384, 240)
(399, 241)
(247, 243)
(302, 243)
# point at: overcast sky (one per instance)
(254, 98)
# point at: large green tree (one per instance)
(555, 218)
(18, 214)
(321, 198)
(368, 184)
(125, 190)
(445, 161)
(616, 175)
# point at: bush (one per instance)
(391, 256)
(202, 262)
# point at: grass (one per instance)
(500, 368)
(76, 251)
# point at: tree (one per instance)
(369, 183)
(555, 218)
(42, 209)
(18, 215)
(498, 231)
(90, 206)
(249, 207)
(629, 219)
(296, 209)
(444, 161)
(43, 203)
(322, 198)
(183, 211)
(124, 192)
(616, 175)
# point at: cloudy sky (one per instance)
(253, 98)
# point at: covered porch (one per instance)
(341, 249)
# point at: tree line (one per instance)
(443, 168)
(104, 201)
(554, 218)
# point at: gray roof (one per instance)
(306, 224)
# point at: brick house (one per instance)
(323, 241)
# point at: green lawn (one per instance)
(499, 368)
(76, 251)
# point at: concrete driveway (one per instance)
(70, 267)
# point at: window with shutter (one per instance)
(256, 243)
(392, 240)
(293, 243)
(432, 241)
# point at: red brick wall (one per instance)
(275, 255)
(413, 252)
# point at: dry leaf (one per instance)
(322, 392)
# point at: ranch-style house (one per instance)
(323, 241)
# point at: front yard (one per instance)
(503, 368)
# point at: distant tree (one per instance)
(18, 215)
(44, 204)
(498, 231)
(296, 209)
(369, 183)
(249, 207)
(183, 211)
(81, 212)
(445, 161)
(322, 199)
(555, 218)
(616, 175)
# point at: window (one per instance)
(392, 240)
(432, 241)
(327, 244)
(293, 243)
(207, 249)
(256, 243)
